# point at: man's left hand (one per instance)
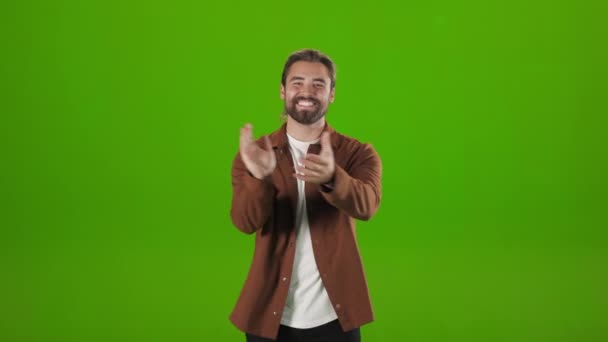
(318, 169)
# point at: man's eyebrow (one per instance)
(299, 78)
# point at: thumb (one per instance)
(325, 143)
(267, 143)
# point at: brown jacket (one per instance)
(266, 207)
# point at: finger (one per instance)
(242, 139)
(249, 131)
(315, 159)
(310, 179)
(246, 138)
(246, 133)
(312, 165)
(325, 143)
(307, 172)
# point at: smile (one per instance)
(305, 103)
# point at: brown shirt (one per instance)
(267, 207)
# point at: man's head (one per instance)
(307, 85)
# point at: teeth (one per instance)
(305, 103)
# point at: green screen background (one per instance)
(119, 123)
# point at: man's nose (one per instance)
(307, 89)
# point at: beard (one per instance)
(305, 116)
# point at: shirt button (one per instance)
(284, 279)
(338, 306)
(274, 313)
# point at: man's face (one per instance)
(307, 92)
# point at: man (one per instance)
(300, 189)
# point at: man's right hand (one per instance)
(259, 161)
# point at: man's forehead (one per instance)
(310, 69)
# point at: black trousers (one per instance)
(329, 332)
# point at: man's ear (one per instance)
(332, 95)
(282, 92)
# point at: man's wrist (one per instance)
(329, 185)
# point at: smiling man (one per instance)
(300, 190)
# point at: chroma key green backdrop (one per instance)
(119, 123)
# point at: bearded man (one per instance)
(300, 189)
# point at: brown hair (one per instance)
(310, 55)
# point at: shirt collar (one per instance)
(279, 138)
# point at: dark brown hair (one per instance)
(310, 55)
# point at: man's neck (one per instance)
(305, 132)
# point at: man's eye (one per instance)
(319, 85)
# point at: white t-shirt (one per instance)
(308, 304)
